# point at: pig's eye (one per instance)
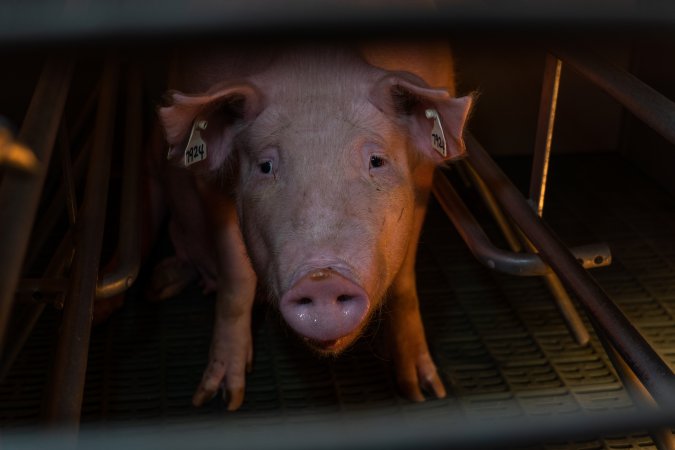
(376, 161)
(265, 167)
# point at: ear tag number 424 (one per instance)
(195, 150)
(437, 137)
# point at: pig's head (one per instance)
(332, 157)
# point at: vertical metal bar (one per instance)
(545, 123)
(20, 195)
(645, 362)
(70, 363)
(128, 242)
(67, 167)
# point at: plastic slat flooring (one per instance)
(500, 344)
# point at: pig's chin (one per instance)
(332, 347)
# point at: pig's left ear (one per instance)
(425, 111)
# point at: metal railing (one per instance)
(647, 377)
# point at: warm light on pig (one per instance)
(308, 171)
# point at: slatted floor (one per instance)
(500, 344)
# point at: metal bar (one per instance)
(520, 264)
(20, 195)
(26, 322)
(489, 200)
(662, 437)
(645, 362)
(70, 362)
(48, 220)
(68, 181)
(565, 305)
(54, 210)
(15, 156)
(544, 136)
(128, 243)
(645, 102)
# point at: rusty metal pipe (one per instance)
(520, 264)
(20, 195)
(128, 243)
(643, 360)
(70, 362)
(642, 100)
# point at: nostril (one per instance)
(304, 301)
(344, 298)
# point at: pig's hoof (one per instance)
(231, 359)
(169, 278)
(418, 376)
(422, 377)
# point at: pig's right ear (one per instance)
(225, 109)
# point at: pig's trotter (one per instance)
(230, 358)
(416, 372)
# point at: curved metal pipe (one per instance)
(520, 264)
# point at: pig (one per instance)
(312, 185)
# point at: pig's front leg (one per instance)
(415, 370)
(231, 351)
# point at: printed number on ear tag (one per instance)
(195, 150)
(437, 136)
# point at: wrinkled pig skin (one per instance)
(315, 186)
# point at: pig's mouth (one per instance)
(332, 347)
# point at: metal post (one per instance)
(70, 362)
(645, 362)
(545, 123)
(20, 195)
(128, 243)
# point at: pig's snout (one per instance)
(324, 306)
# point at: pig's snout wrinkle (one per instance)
(325, 306)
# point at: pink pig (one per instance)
(317, 166)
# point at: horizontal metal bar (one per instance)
(20, 195)
(24, 324)
(642, 100)
(128, 242)
(35, 24)
(40, 286)
(643, 360)
(520, 264)
(356, 431)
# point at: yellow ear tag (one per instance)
(437, 136)
(195, 150)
